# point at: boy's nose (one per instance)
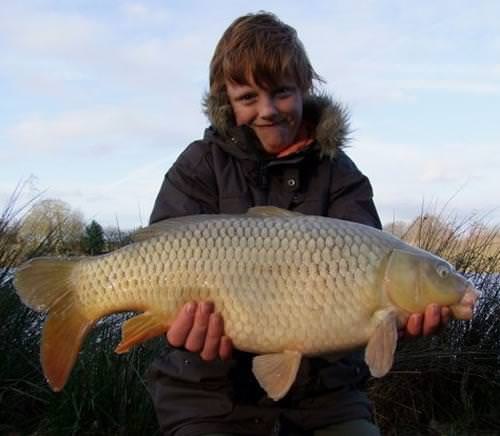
(267, 108)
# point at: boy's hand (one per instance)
(199, 329)
(434, 318)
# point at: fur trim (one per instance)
(331, 121)
(219, 113)
(329, 118)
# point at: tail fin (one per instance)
(46, 284)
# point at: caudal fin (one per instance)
(46, 285)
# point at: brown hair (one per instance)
(264, 48)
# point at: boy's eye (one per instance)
(246, 98)
(283, 91)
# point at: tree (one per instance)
(93, 239)
(116, 238)
(53, 224)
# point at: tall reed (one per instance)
(449, 383)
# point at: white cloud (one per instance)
(102, 127)
(439, 171)
(387, 83)
(49, 32)
(82, 56)
(473, 86)
(139, 13)
(127, 199)
(68, 129)
(167, 62)
(405, 174)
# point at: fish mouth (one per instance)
(464, 309)
(471, 294)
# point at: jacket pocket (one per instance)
(345, 373)
(187, 390)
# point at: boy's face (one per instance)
(275, 115)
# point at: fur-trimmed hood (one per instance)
(329, 118)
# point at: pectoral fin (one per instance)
(140, 328)
(379, 353)
(276, 372)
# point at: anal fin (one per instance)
(276, 372)
(140, 328)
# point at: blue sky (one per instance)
(99, 97)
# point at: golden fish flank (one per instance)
(286, 284)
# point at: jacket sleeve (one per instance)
(351, 194)
(189, 187)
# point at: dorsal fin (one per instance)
(272, 211)
(171, 224)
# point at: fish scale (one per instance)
(285, 284)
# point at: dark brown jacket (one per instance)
(228, 172)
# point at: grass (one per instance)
(105, 394)
(448, 384)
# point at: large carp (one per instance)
(286, 284)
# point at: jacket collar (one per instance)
(330, 121)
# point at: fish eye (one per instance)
(443, 271)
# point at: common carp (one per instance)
(286, 285)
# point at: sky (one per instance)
(98, 98)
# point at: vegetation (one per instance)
(52, 224)
(448, 384)
(106, 393)
(93, 240)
